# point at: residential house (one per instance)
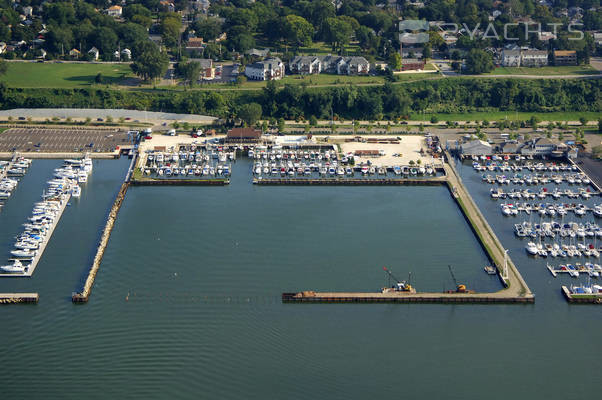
(28, 11)
(565, 57)
(411, 52)
(412, 64)
(94, 53)
(114, 11)
(546, 36)
(2, 47)
(75, 53)
(305, 65)
(476, 148)
(126, 54)
(195, 45)
(598, 38)
(168, 6)
(534, 58)
(266, 70)
(258, 53)
(353, 66)
(510, 58)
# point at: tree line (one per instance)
(389, 101)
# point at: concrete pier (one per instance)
(512, 279)
(591, 298)
(15, 298)
(350, 181)
(402, 297)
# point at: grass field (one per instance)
(565, 70)
(512, 116)
(62, 75)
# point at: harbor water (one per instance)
(187, 300)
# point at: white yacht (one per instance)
(15, 267)
(76, 191)
(532, 248)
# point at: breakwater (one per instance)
(83, 296)
(402, 297)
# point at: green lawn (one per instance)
(565, 70)
(62, 75)
(512, 116)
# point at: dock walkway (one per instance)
(515, 284)
(401, 297)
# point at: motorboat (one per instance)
(16, 267)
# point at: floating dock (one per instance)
(350, 181)
(592, 298)
(402, 297)
(15, 298)
(40, 252)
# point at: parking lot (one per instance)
(51, 140)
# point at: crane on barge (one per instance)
(460, 288)
(399, 286)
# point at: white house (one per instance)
(114, 11)
(305, 65)
(511, 58)
(534, 58)
(94, 53)
(266, 70)
(126, 54)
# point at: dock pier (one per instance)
(350, 181)
(16, 298)
(402, 297)
(591, 298)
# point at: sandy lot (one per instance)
(409, 148)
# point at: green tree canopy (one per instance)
(250, 113)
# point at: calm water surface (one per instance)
(187, 301)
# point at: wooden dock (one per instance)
(15, 298)
(402, 297)
(591, 298)
(350, 181)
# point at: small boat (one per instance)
(76, 191)
(16, 267)
(490, 270)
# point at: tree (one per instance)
(533, 121)
(98, 78)
(208, 29)
(583, 121)
(131, 10)
(250, 113)
(170, 29)
(3, 67)
(478, 62)
(189, 71)
(298, 31)
(281, 125)
(338, 33)
(434, 119)
(395, 61)
(599, 124)
(150, 64)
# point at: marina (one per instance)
(176, 283)
(46, 214)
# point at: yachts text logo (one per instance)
(413, 31)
